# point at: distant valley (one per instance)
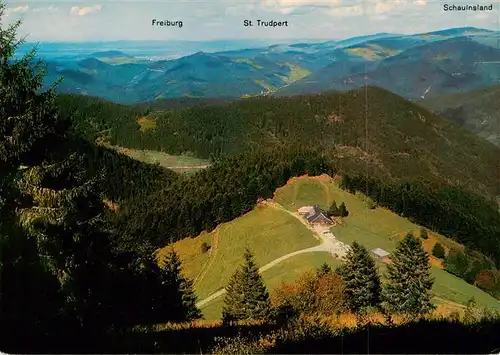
(413, 66)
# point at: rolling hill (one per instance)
(478, 111)
(421, 70)
(412, 66)
(279, 232)
(364, 130)
(198, 75)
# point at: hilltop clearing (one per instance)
(273, 234)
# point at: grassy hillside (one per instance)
(278, 234)
(380, 228)
(287, 271)
(477, 111)
(178, 163)
(271, 233)
(372, 130)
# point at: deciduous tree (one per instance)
(438, 251)
(488, 280)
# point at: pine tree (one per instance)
(182, 288)
(438, 251)
(409, 281)
(65, 217)
(361, 280)
(324, 269)
(246, 294)
(343, 212)
(30, 299)
(333, 210)
(346, 183)
(59, 259)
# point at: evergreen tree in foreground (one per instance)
(30, 298)
(410, 282)
(62, 269)
(182, 287)
(246, 294)
(361, 280)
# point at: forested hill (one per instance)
(368, 131)
(184, 102)
(478, 111)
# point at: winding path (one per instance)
(328, 243)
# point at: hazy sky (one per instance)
(102, 20)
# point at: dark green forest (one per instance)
(80, 223)
(418, 163)
(375, 132)
(66, 278)
(467, 218)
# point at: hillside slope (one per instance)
(368, 130)
(198, 75)
(478, 111)
(428, 69)
(413, 65)
(279, 234)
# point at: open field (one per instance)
(248, 61)
(296, 73)
(378, 228)
(271, 232)
(452, 288)
(372, 52)
(268, 232)
(179, 163)
(287, 271)
(309, 191)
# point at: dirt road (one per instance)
(329, 243)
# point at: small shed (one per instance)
(380, 253)
(306, 210)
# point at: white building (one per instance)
(306, 210)
(380, 253)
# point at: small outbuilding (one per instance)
(306, 210)
(380, 253)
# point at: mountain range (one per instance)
(413, 66)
